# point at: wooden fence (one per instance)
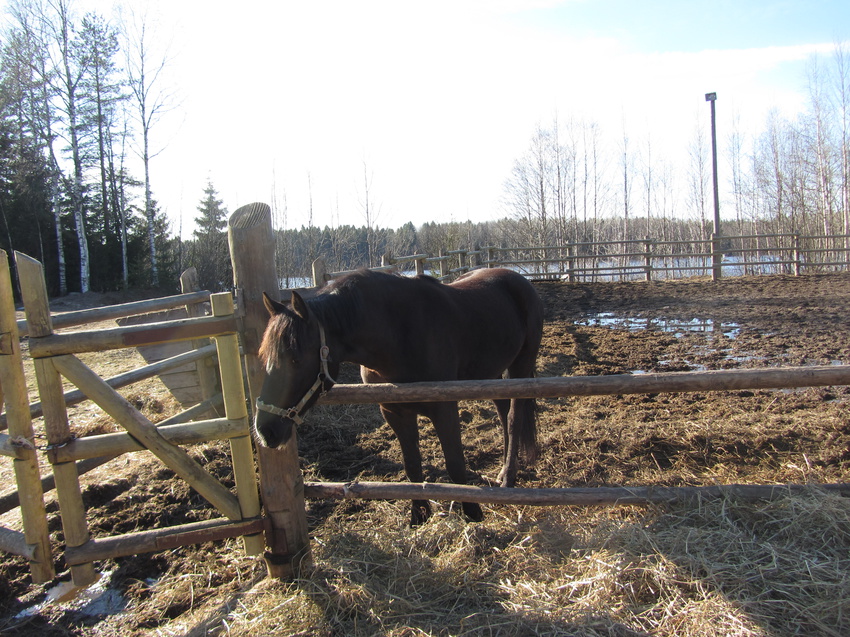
(281, 483)
(637, 259)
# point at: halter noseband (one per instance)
(295, 414)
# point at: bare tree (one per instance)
(841, 98)
(370, 213)
(152, 100)
(698, 176)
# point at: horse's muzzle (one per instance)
(272, 432)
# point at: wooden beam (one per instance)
(25, 463)
(556, 387)
(578, 496)
(97, 314)
(146, 432)
(162, 539)
(241, 451)
(115, 444)
(56, 428)
(131, 336)
(15, 542)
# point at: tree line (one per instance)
(792, 176)
(80, 97)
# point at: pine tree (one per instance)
(210, 254)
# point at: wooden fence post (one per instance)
(56, 428)
(251, 240)
(20, 430)
(320, 271)
(798, 266)
(647, 258)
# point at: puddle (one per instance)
(676, 327)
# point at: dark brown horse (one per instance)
(483, 326)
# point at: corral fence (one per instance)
(282, 524)
(637, 259)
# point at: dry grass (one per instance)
(719, 568)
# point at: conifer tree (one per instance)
(209, 253)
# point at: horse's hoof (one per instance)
(473, 512)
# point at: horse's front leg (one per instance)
(447, 423)
(403, 422)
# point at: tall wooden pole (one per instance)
(252, 253)
(716, 256)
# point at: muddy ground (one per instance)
(747, 436)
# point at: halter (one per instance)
(296, 413)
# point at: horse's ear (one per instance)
(273, 306)
(299, 306)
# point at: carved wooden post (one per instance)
(281, 483)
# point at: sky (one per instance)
(301, 104)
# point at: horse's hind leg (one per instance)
(503, 407)
(402, 420)
(445, 418)
(519, 421)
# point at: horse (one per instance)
(485, 325)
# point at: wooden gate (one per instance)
(53, 358)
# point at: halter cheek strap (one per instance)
(296, 413)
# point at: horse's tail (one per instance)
(525, 366)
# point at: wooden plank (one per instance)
(556, 387)
(56, 429)
(109, 312)
(121, 442)
(130, 336)
(577, 496)
(162, 539)
(233, 391)
(146, 432)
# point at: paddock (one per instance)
(284, 525)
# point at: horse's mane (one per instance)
(339, 307)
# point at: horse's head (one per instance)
(298, 369)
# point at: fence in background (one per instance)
(638, 259)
